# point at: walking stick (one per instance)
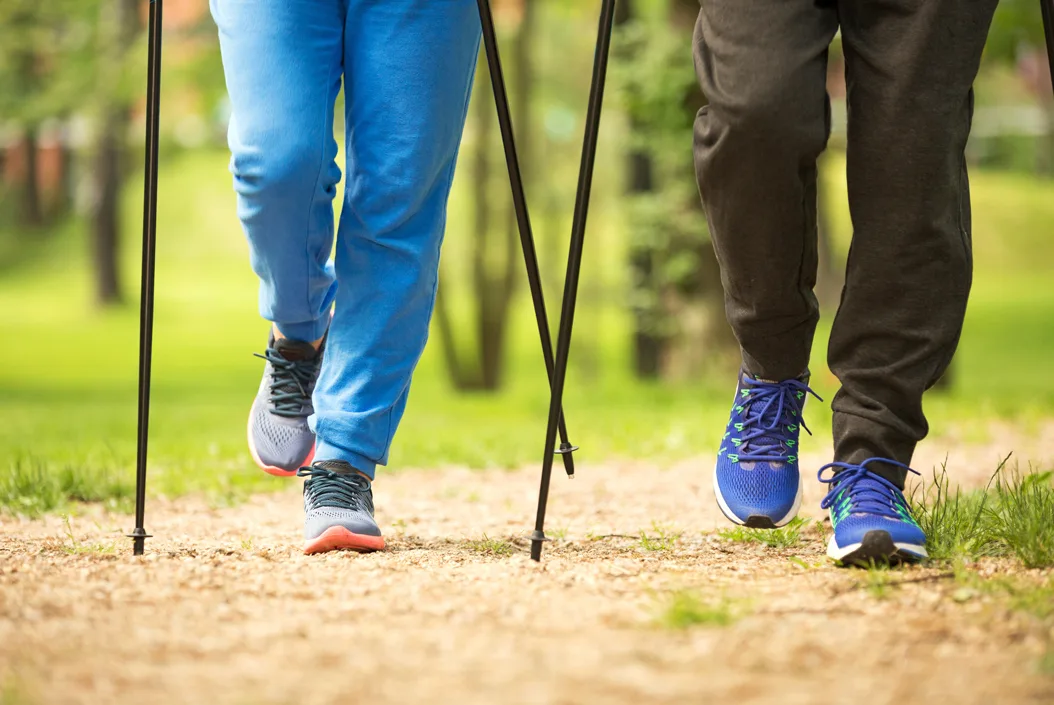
(574, 262)
(523, 220)
(146, 302)
(1047, 7)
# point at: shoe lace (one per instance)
(291, 382)
(326, 488)
(865, 492)
(772, 412)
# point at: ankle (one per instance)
(278, 335)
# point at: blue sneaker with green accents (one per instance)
(871, 519)
(756, 479)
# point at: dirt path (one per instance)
(225, 609)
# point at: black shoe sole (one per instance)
(759, 522)
(878, 548)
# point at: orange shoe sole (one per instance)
(337, 538)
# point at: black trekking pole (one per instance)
(523, 220)
(574, 263)
(146, 301)
(1047, 7)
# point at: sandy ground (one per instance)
(225, 609)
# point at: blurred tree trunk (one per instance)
(119, 26)
(647, 344)
(714, 338)
(27, 82)
(451, 357)
(106, 225)
(493, 269)
(31, 212)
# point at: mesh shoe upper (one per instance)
(757, 465)
(861, 501)
(278, 426)
(336, 495)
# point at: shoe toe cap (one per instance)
(279, 441)
(853, 529)
(357, 522)
(758, 489)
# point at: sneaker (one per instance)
(338, 509)
(280, 440)
(871, 519)
(756, 479)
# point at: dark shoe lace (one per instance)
(772, 413)
(857, 490)
(292, 382)
(340, 490)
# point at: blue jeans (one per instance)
(407, 67)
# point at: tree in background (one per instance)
(118, 25)
(495, 252)
(676, 292)
(45, 58)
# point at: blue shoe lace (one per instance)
(339, 490)
(773, 414)
(863, 491)
(290, 382)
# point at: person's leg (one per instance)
(910, 66)
(762, 65)
(282, 60)
(409, 70)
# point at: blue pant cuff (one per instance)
(325, 451)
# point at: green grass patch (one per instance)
(784, 537)
(661, 539)
(1013, 516)
(491, 547)
(31, 487)
(1023, 517)
(1046, 662)
(74, 546)
(878, 580)
(685, 608)
(956, 523)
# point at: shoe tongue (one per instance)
(295, 350)
(337, 466)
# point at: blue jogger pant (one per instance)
(407, 67)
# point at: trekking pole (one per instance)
(1047, 7)
(574, 262)
(523, 220)
(146, 301)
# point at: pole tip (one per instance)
(139, 537)
(537, 539)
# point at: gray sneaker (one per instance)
(338, 509)
(280, 440)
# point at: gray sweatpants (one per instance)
(910, 65)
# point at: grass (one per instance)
(955, 523)
(784, 537)
(1023, 517)
(685, 608)
(1046, 662)
(76, 547)
(662, 540)
(491, 547)
(1013, 516)
(877, 580)
(69, 408)
(31, 487)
